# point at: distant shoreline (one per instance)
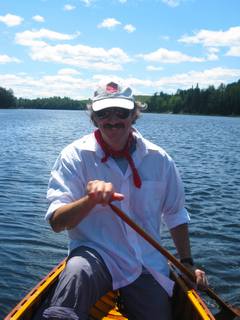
(142, 112)
(221, 101)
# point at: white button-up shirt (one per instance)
(161, 197)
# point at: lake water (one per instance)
(206, 151)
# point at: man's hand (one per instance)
(101, 192)
(70, 215)
(201, 278)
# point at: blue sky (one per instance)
(67, 47)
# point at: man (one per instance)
(115, 163)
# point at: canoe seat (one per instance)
(106, 308)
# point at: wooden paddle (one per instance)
(228, 312)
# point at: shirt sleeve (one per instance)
(65, 184)
(174, 212)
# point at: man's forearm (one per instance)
(69, 215)
(181, 240)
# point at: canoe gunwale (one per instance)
(36, 293)
(194, 304)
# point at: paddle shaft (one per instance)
(171, 258)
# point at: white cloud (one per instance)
(38, 18)
(172, 3)
(109, 23)
(30, 38)
(171, 84)
(229, 38)
(205, 78)
(68, 71)
(67, 84)
(234, 51)
(212, 54)
(11, 20)
(166, 56)
(7, 59)
(208, 38)
(87, 3)
(81, 56)
(46, 86)
(129, 28)
(154, 68)
(69, 7)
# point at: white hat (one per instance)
(112, 95)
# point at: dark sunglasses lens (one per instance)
(123, 114)
(102, 114)
(120, 113)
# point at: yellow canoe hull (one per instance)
(186, 302)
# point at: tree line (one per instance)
(51, 103)
(223, 100)
(9, 101)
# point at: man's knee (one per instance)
(88, 269)
(83, 281)
(76, 265)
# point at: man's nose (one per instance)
(113, 117)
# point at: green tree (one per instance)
(51, 103)
(232, 99)
(175, 103)
(7, 99)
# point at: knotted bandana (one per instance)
(124, 153)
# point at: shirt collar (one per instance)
(142, 145)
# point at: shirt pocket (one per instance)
(147, 202)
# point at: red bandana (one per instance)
(118, 154)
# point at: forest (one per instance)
(223, 100)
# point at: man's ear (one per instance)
(93, 120)
(134, 116)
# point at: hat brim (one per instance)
(112, 103)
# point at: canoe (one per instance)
(186, 302)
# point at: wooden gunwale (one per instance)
(30, 299)
(188, 304)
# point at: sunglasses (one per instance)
(107, 113)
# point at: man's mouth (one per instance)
(114, 126)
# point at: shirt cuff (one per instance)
(53, 207)
(174, 220)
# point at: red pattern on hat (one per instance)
(111, 87)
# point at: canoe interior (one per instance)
(186, 303)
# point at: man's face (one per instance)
(115, 125)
